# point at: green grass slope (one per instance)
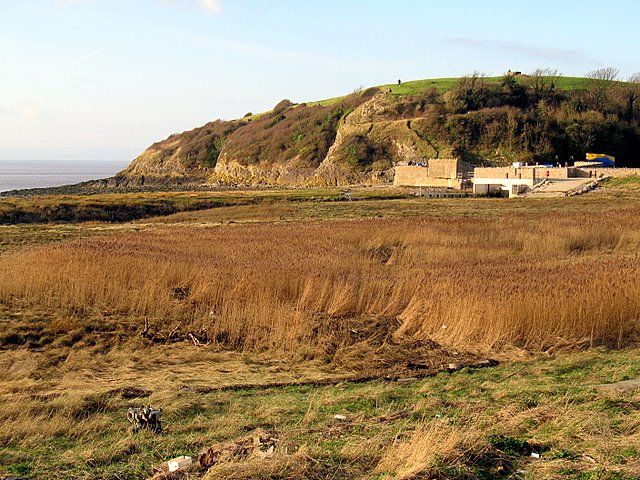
(443, 85)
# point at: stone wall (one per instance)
(537, 172)
(609, 172)
(443, 167)
(411, 176)
(416, 176)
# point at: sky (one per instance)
(103, 79)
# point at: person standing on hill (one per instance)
(399, 82)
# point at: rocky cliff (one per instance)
(357, 139)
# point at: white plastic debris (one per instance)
(263, 455)
(180, 463)
(339, 417)
(535, 455)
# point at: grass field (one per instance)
(469, 281)
(122, 207)
(482, 423)
(308, 307)
(445, 84)
(442, 85)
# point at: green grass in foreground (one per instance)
(549, 406)
(546, 403)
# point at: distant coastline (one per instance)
(18, 175)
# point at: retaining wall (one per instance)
(415, 176)
(610, 172)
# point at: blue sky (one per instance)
(102, 79)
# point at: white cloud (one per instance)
(29, 110)
(212, 6)
(92, 54)
(25, 110)
(535, 51)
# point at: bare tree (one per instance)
(599, 86)
(606, 75)
(543, 81)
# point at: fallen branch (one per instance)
(512, 374)
(199, 338)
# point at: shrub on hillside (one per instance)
(528, 118)
(364, 153)
(292, 134)
(470, 93)
(199, 147)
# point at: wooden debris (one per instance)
(145, 418)
(259, 444)
(199, 338)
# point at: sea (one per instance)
(16, 175)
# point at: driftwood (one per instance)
(199, 338)
(259, 444)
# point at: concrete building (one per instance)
(437, 172)
(520, 179)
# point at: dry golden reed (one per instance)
(430, 445)
(533, 281)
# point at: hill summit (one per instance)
(356, 139)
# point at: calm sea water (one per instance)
(35, 174)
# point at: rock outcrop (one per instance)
(358, 138)
(350, 142)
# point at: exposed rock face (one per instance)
(231, 172)
(358, 138)
(346, 143)
(369, 121)
(182, 158)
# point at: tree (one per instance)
(470, 93)
(599, 86)
(514, 92)
(629, 94)
(543, 82)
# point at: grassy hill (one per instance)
(415, 87)
(356, 138)
(443, 85)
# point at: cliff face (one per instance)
(355, 140)
(188, 157)
(358, 138)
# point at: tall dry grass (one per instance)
(530, 281)
(430, 447)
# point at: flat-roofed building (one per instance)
(436, 172)
(518, 179)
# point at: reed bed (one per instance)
(534, 281)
